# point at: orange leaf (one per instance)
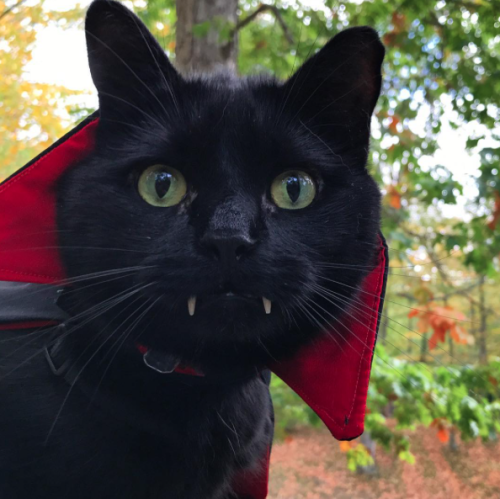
(399, 21)
(449, 313)
(393, 125)
(441, 320)
(345, 446)
(394, 197)
(460, 336)
(433, 341)
(390, 39)
(423, 324)
(438, 337)
(443, 435)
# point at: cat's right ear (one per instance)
(128, 66)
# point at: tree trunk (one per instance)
(453, 443)
(483, 349)
(205, 37)
(410, 329)
(370, 444)
(450, 339)
(423, 348)
(472, 319)
(451, 348)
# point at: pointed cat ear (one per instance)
(335, 91)
(129, 68)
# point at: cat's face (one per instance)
(242, 207)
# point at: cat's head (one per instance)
(240, 209)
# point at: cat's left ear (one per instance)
(334, 93)
(129, 68)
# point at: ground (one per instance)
(310, 465)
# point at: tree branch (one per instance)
(8, 10)
(277, 14)
(442, 272)
(445, 296)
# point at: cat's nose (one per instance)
(228, 249)
(229, 232)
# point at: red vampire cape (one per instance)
(330, 377)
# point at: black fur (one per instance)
(161, 436)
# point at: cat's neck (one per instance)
(120, 383)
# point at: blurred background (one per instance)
(433, 414)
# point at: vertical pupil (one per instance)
(162, 183)
(293, 188)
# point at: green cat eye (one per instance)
(293, 190)
(162, 186)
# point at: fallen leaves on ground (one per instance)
(313, 466)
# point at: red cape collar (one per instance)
(330, 376)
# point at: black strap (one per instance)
(53, 350)
(28, 302)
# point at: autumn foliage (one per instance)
(442, 426)
(32, 115)
(394, 197)
(442, 321)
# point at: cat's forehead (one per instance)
(232, 103)
(233, 122)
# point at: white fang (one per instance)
(267, 305)
(191, 305)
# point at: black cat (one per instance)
(209, 232)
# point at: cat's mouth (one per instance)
(227, 296)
